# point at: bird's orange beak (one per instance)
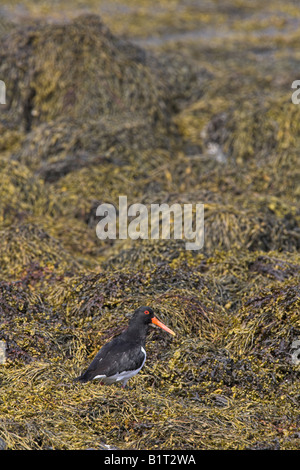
(161, 325)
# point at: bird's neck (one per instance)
(137, 332)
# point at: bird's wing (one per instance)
(114, 357)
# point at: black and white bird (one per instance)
(124, 356)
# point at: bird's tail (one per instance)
(81, 378)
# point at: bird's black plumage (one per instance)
(113, 358)
(125, 354)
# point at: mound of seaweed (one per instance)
(29, 324)
(21, 194)
(77, 70)
(82, 92)
(24, 244)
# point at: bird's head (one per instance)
(145, 316)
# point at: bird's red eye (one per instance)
(146, 312)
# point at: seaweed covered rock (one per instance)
(27, 324)
(24, 244)
(103, 96)
(270, 321)
(272, 121)
(77, 70)
(259, 137)
(89, 117)
(68, 145)
(21, 194)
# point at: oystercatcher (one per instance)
(124, 356)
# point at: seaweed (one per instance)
(96, 109)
